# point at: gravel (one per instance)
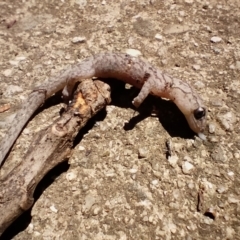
(120, 182)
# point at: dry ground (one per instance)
(119, 183)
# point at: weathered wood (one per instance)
(51, 147)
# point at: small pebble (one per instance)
(127, 152)
(7, 72)
(199, 85)
(182, 13)
(158, 37)
(36, 234)
(217, 51)
(89, 201)
(238, 65)
(96, 210)
(204, 153)
(78, 40)
(81, 148)
(232, 199)
(221, 189)
(221, 204)
(191, 186)
(172, 227)
(230, 173)
(20, 58)
(236, 155)
(196, 67)
(216, 102)
(16, 61)
(30, 226)
(145, 219)
(68, 56)
(216, 39)
(187, 167)
(53, 209)
(230, 233)
(227, 120)
(155, 182)
(142, 152)
(208, 220)
(211, 128)
(70, 176)
(144, 168)
(176, 29)
(173, 160)
(133, 170)
(219, 155)
(133, 52)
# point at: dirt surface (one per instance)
(130, 176)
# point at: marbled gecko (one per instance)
(129, 69)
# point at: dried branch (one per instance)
(51, 147)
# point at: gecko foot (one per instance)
(136, 103)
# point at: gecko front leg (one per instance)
(68, 89)
(144, 92)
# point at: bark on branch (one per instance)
(51, 147)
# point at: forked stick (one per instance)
(49, 148)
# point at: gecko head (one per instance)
(197, 121)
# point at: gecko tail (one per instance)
(83, 70)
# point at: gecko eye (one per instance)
(199, 113)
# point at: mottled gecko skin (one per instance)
(140, 74)
(132, 70)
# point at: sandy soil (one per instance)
(119, 182)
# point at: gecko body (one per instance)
(149, 79)
(129, 69)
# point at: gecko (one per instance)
(132, 70)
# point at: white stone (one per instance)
(158, 36)
(196, 67)
(20, 58)
(211, 128)
(142, 152)
(216, 39)
(81, 148)
(173, 160)
(232, 199)
(238, 64)
(81, 3)
(90, 200)
(53, 209)
(133, 52)
(187, 167)
(221, 189)
(133, 170)
(78, 39)
(7, 72)
(70, 176)
(155, 182)
(97, 210)
(176, 29)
